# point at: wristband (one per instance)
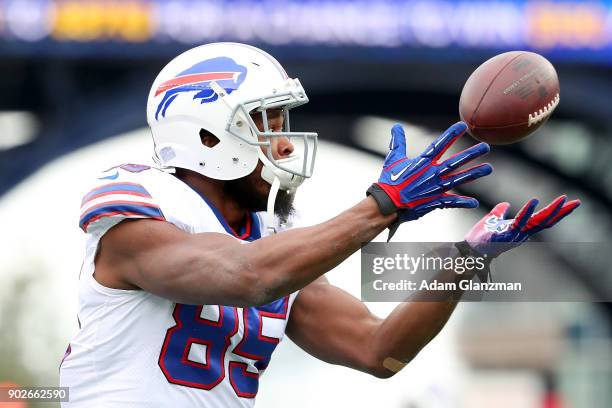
(468, 252)
(385, 204)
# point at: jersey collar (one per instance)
(250, 231)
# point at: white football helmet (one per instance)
(216, 87)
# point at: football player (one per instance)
(189, 280)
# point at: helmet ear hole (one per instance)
(208, 139)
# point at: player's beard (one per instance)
(252, 191)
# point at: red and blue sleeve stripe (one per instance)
(116, 188)
(126, 200)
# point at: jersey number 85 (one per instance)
(195, 348)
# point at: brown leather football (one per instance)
(509, 96)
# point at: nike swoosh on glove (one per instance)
(494, 234)
(414, 187)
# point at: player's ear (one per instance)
(208, 139)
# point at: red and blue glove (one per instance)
(414, 187)
(494, 234)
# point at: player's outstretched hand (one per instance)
(414, 187)
(494, 234)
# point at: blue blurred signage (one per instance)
(563, 30)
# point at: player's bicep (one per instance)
(333, 325)
(159, 258)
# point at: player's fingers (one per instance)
(524, 214)
(566, 210)
(541, 218)
(428, 206)
(500, 210)
(467, 175)
(458, 201)
(445, 201)
(443, 142)
(397, 145)
(464, 157)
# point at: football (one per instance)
(509, 97)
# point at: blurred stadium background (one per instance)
(74, 81)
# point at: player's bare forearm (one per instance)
(338, 328)
(409, 328)
(413, 324)
(286, 262)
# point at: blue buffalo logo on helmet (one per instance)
(223, 70)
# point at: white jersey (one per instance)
(136, 349)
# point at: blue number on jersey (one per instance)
(191, 330)
(255, 346)
(211, 338)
